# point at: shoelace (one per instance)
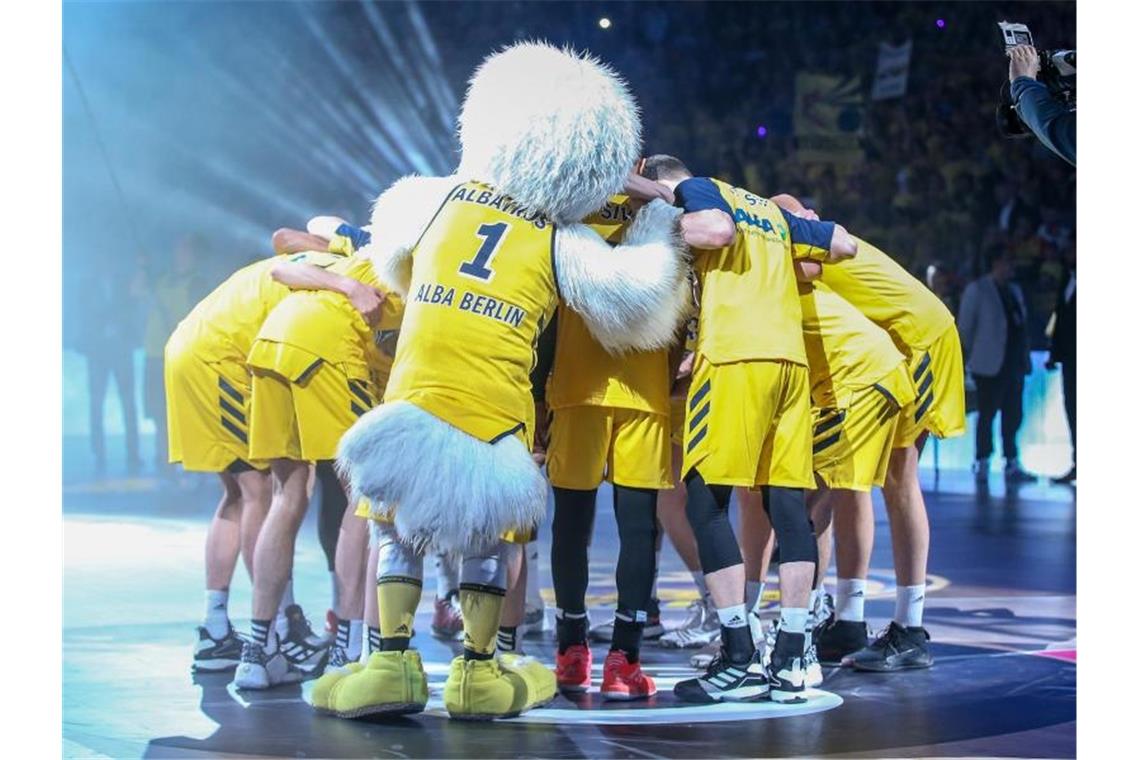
(252, 652)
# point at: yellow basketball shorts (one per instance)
(626, 446)
(851, 447)
(940, 392)
(207, 412)
(749, 424)
(304, 420)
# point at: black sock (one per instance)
(571, 629)
(627, 635)
(471, 654)
(737, 644)
(260, 631)
(508, 638)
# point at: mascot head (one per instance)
(557, 130)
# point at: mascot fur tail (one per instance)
(448, 490)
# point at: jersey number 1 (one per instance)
(492, 235)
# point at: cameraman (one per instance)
(1053, 123)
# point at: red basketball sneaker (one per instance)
(622, 679)
(573, 668)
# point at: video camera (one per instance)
(1058, 74)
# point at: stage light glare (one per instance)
(761, 131)
(604, 22)
(940, 23)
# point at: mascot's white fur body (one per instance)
(558, 132)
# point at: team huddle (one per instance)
(672, 334)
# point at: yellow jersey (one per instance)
(749, 303)
(890, 297)
(324, 323)
(584, 373)
(224, 324)
(482, 288)
(846, 351)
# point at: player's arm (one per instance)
(403, 212)
(631, 296)
(807, 270)
(841, 245)
(301, 276)
(543, 362)
(708, 221)
(286, 241)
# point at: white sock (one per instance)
(909, 601)
(813, 598)
(355, 639)
(793, 619)
(751, 594)
(217, 620)
(533, 587)
(702, 587)
(281, 624)
(335, 591)
(850, 593)
(735, 616)
(759, 603)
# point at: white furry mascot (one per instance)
(557, 133)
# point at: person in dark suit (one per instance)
(1063, 351)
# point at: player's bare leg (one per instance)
(903, 645)
(701, 627)
(756, 544)
(514, 604)
(218, 648)
(256, 492)
(852, 522)
(351, 566)
(264, 662)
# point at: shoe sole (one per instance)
(574, 688)
(886, 668)
(621, 696)
(786, 697)
(402, 708)
(213, 666)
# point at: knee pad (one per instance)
(395, 559)
(487, 568)
(788, 513)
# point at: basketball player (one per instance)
(207, 391)
(923, 329)
(318, 364)
(748, 420)
(610, 420)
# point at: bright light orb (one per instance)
(604, 22)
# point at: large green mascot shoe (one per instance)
(321, 696)
(541, 685)
(481, 690)
(393, 683)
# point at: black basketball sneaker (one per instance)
(896, 648)
(840, 638)
(215, 655)
(726, 682)
(787, 668)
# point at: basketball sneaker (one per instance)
(840, 638)
(337, 668)
(392, 683)
(821, 613)
(1014, 473)
(624, 680)
(215, 655)
(813, 671)
(261, 668)
(725, 682)
(652, 631)
(787, 668)
(534, 618)
(572, 668)
(447, 620)
(701, 628)
(298, 629)
(896, 648)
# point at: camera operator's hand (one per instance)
(1023, 62)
